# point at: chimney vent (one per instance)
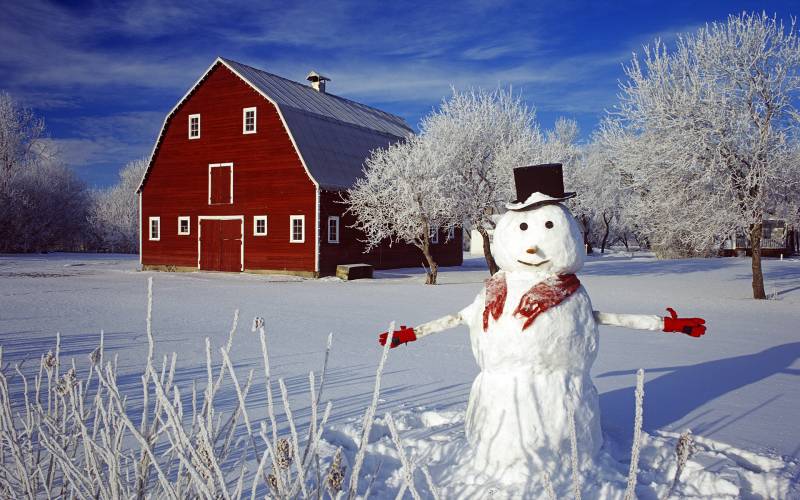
(317, 81)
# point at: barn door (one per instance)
(221, 245)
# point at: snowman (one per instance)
(534, 335)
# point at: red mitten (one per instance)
(401, 336)
(694, 327)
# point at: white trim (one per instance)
(200, 219)
(140, 228)
(257, 218)
(188, 220)
(434, 235)
(317, 224)
(150, 228)
(328, 229)
(219, 165)
(167, 118)
(192, 137)
(302, 219)
(451, 233)
(255, 120)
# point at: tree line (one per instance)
(44, 206)
(702, 145)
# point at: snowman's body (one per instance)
(518, 417)
(534, 336)
(532, 379)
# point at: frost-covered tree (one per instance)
(114, 215)
(21, 138)
(706, 134)
(478, 137)
(402, 197)
(43, 205)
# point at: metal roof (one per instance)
(334, 135)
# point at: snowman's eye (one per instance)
(523, 226)
(548, 225)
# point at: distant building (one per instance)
(777, 238)
(247, 175)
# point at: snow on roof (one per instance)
(333, 135)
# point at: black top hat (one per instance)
(538, 185)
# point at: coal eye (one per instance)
(523, 226)
(548, 225)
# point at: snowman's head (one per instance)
(544, 240)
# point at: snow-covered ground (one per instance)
(737, 385)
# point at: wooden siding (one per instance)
(268, 179)
(350, 250)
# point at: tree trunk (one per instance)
(586, 230)
(625, 241)
(487, 251)
(758, 275)
(607, 222)
(433, 268)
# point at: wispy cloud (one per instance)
(105, 74)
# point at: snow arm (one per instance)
(694, 327)
(405, 334)
(635, 321)
(437, 325)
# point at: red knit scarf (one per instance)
(541, 297)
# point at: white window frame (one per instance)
(256, 219)
(150, 221)
(244, 120)
(219, 165)
(302, 219)
(328, 229)
(191, 137)
(188, 225)
(434, 235)
(451, 233)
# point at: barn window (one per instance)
(155, 228)
(333, 229)
(184, 225)
(260, 225)
(451, 233)
(434, 234)
(194, 126)
(220, 183)
(297, 233)
(249, 121)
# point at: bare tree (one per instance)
(43, 205)
(114, 215)
(21, 134)
(707, 132)
(403, 197)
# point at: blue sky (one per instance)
(104, 74)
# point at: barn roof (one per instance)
(333, 135)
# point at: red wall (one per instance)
(350, 250)
(268, 179)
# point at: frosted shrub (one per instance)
(70, 432)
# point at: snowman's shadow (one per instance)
(671, 397)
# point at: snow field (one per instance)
(737, 385)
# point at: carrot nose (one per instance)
(532, 250)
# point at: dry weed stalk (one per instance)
(73, 433)
(630, 490)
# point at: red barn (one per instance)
(247, 175)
